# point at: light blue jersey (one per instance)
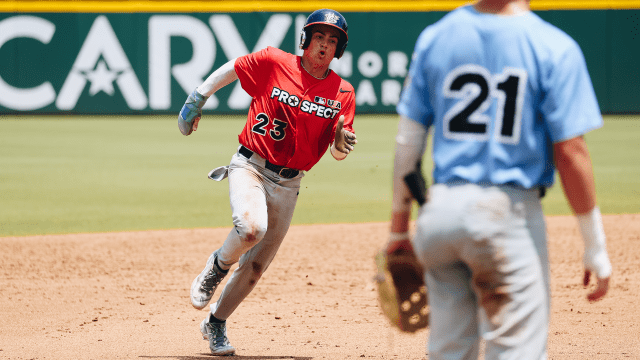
(496, 114)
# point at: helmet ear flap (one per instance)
(340, 51)
(305, 39)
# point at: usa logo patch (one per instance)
(334, 104)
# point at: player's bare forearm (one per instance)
(400, 221)
(401, 206)
(576, 174)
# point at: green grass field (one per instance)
(100, 174)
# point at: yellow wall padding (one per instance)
(244, 6)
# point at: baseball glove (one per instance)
(401, 288)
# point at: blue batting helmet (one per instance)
(326, 17)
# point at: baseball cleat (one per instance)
(203, 327)
(216, 333)
(205, 284)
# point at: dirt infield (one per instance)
(126, 296)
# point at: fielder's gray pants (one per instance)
(486, 268)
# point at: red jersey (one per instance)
(293, 116)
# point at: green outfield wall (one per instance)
(141, 57)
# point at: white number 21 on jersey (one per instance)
(475, 87)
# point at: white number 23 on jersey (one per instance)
(475, 88)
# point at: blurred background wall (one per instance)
(145, 57)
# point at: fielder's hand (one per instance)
(345, 140)
(191, 112)
(595, 258)
(401, 289)
(597, 262)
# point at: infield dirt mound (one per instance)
(126, 296)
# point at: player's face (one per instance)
(324, 41)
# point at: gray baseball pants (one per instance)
(262, 205)
(486, 267)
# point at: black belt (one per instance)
(282, 171)
(542, 191)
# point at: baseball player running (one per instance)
(299, 109)
(508, 98)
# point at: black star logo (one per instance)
(293, 101)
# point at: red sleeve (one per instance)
(348, 101)
(253, 69)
